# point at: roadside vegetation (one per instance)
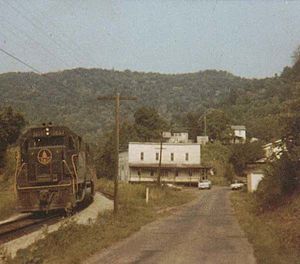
(73, 242)
(7, 202)
(11, 124)
(271, 215)
(274, 234)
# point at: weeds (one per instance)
(275, 235)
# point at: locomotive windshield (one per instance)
(47, 141)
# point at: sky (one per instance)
(253, 39)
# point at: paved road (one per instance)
(204, 231)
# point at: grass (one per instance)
(7, 199)
(73, 242)
(275, 235)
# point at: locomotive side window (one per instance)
(47, 141)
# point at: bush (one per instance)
(279, 181)
(10, 164)
(243, 154)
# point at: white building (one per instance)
(202, 140)
(179, 137)
(274, 150)
(180, 162)
(253, 179)
(239, 134)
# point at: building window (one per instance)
(139, 172)
(172, 156)
(151, 173)
(142, 155)
(176, 173)
(186, 156)
(157, 156)
(190, 173)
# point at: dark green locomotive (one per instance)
(54, 170)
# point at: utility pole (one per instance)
(117, 99)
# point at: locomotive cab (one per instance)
(54, 170)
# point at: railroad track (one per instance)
(20, 227)
(17, 228)
(108, 195)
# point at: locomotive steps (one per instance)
(84, 217)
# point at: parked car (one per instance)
(236, 185)
(204, 184)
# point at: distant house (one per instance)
(239, 134)
(274, 149)
(255, 173)
(179, 137)
(253, 179)
(180, 162)
(202, 140)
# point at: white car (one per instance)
(204, 184)
(236, 185)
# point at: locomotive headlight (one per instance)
(47, 133)
(47, 129)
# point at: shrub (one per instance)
(280, 180)
(243, 154)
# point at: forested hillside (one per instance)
(69, 97)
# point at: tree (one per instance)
(217, 125)
(149, 124)
(194, 127)
(11, 124)
(243, 154)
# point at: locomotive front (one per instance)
(46, 173)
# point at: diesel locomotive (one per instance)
(54, 170)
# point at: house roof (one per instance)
(238, 127)
(168, 165)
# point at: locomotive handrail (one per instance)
(74, 167)
(73, 180)
(43, 186)
(18, 170)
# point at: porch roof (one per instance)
(168, 165)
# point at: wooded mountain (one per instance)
(70, 97)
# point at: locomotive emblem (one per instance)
(44, 156)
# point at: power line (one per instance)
(35, 25)
(36, 70)
(21, 61)
(35, 41)
(68, 39)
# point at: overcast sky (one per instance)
(246, 38)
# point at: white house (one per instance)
(239, 134)
(274, 150)
(202, 140)
(253, 179)
(179, 137)
(180, 162)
